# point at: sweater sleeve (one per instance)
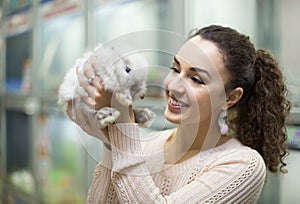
(233, 178)
(102, 189)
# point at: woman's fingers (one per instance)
(90, 102)
(92, 79)
(97, 82)
(69, 110)
(98, 97)
(76, 114)
(90, 73)
(89, 88)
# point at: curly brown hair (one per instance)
(263, 108)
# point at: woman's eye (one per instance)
(174, 69)
(197, 80)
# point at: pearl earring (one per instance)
(222, 123)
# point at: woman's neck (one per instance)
(189, 140)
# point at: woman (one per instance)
(227, 134)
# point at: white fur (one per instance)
(111, 68)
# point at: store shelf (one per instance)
(28, 104)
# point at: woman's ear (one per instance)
(234, 96)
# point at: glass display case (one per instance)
(128, 16)
(18, 33)
(19, 146)
(18, 72)
(62, 40)
(60, 159)
(17, 136)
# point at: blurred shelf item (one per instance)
(18, 22)
(294, 118)
(27, 103)
(52, 9)
(22, 180)
(293, 136)
(18, 67)
(14, 6)
(15, 195)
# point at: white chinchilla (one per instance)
(124, 76)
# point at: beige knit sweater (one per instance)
(134, 172)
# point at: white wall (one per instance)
(237, 14)
(290, 45)
(290, 60)
(290, 182)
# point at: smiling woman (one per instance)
(216, 75)
(190, 82)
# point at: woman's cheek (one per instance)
(202, 99)
(167, 81)
(217, 95)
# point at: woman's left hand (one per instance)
(98, 97)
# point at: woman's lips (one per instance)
(175, 104)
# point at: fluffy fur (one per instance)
(124, 76)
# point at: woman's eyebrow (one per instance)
(194, 69)
(197, 69)
(176, 61)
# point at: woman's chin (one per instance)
(175, 118)
(179, 118)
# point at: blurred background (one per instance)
(45, 158)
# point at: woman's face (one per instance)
(194, 87)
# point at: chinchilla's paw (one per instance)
(124, 99)
(106, 116)
(144, 117)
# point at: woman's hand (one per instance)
(97, 98)
(92, 84)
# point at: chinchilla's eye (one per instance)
(127, 69)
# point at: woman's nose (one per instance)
(177, 85)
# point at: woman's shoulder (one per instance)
(232, 170)
(236, 148)
(235, 152)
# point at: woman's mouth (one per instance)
(175, 104)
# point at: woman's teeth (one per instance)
(176, 103)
